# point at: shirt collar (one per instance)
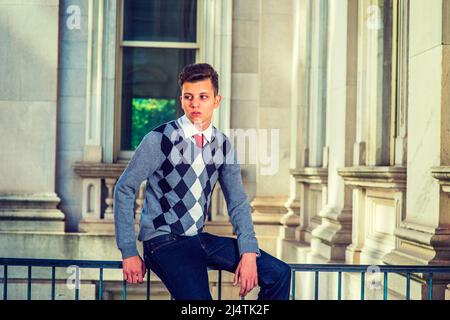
(190, 130)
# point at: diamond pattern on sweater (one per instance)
(185, 180)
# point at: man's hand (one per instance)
(133, 269)
(246, 271)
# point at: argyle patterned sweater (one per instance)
(180, 180)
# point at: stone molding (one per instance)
(393, 177)
(311, 175)
(268, 210)
(99, 170)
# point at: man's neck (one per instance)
(200, 126)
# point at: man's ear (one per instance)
(181, 103)
(217, 99)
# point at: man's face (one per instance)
(198, 102)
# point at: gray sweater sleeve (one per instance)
(145, 161)
(238, 206)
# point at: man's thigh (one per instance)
(180, 263)
(223, 253)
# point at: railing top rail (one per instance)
(365, 268)
(294, 267)
(61, 263)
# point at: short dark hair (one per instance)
(198, 72)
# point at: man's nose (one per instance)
(195, 102)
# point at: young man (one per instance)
(181, 161)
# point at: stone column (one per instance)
(330, 239)
(423, 236)
(299, 87)
(28, 113)
(274, 81)
(311, 172)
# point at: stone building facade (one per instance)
(357, 92)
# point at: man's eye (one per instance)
(204, 97)
(188, 97)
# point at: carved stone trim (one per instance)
(442, 174)
(99, 170)
(312, 175)
(268, 210)
(393, 177)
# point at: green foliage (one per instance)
(147, 114)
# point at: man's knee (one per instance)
(284, 271)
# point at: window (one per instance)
(395, 82)
(158, 38)
(380, 81)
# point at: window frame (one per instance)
(124, 155)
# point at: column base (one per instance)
(31, 212)
(420, 245)
(331, 238)
(290, 221)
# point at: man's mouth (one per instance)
(196, 113)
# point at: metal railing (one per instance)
(82, 264)
(406, 271)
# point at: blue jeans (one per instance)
(181, 263)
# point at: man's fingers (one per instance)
(236, 275)
(249, 287)
(130, 278)
(243, 287)
(140, 276)
(144, 270)
(136, 276)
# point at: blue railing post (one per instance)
(148, 284)
(293, 284)
(219, 291)
(100, 285)
(77, 283)
(339, 284)
(385, 287)
(316, 286)
(124, 290)
(5, 282)
(29, 284)
(408, 285)
(363, 279)
(430, 291)
(53, 282)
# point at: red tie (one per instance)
(199, 140)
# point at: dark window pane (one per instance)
(160, 20)
(150, 91)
